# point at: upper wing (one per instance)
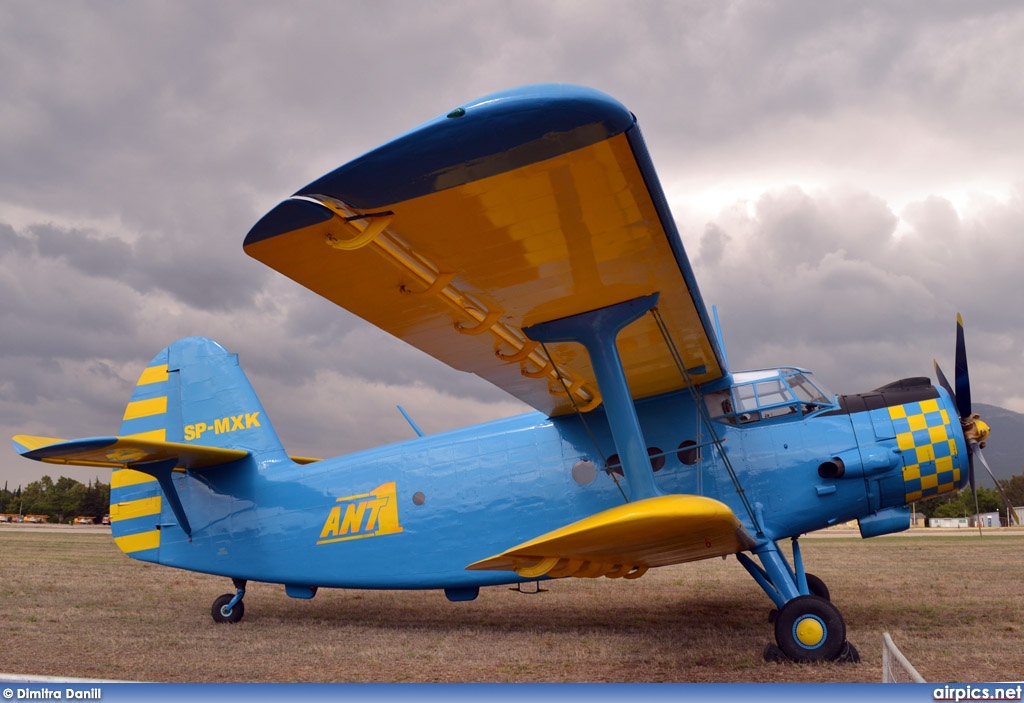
(522, 207)
(629, 539)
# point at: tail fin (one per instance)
(192, 409)
(194, 391)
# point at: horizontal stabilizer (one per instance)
(122, 452)
(629, 539)
(192, 409)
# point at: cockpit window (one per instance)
(767, 394)
(772, 392)
(807, 391)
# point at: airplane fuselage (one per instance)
(434, 504)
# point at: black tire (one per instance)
(817, 587)
(810, 628)
(219, 612)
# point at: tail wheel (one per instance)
(221, 612)
(810, 628)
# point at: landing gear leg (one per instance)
(815, 587)
(229, 607)
(807, 626)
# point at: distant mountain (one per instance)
(1004, 449)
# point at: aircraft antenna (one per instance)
(415, 427)
(706, 418)
(583, 419)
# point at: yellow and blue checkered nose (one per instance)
(930, 443)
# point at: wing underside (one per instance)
(522, 208)
(626, 540)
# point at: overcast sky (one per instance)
(846, 177)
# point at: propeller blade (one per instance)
(972, 449)
(960, 374)
(972, 481)
(943, 382)
(1002, 493)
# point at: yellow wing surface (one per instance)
(523, 207)
(626, 540)
(122, 452)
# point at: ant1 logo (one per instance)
(364, 515)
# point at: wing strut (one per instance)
(596, 330)
(706, 418)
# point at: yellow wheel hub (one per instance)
(810, 632)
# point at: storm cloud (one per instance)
(846, 177)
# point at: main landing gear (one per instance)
(229, 607)
(808, 627)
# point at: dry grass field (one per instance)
(74, 606)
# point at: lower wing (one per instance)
(626, 540)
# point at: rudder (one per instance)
(192, 392)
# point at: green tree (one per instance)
(14, 502)
(37, 496)
(950, 509)
(62, 500)
(65, 498)
(1013, 487)
(97, 499)
(6, 498)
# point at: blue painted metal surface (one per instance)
(464, 495)
(597, 332)
(485, 137)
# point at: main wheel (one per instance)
(810, 628)
(221, 613)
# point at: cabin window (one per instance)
(657, 458)
(613, 465)
(689, 452)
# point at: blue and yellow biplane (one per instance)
(523, 237)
